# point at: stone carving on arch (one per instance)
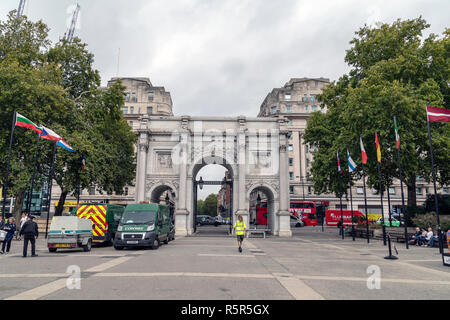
(272, 185)
(198, 159)
(152, 184)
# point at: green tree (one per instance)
(393, 72)
(210, 205)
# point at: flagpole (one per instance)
(365, 203)
(435, 193)
(340, 194)
(30, 194)
(389, 206)
(5, 183)
(50, 183)
(380, 186)
(351, 202)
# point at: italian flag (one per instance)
(24, 122)
(397, 136)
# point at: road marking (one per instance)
(187, 274)
(226, 255)
(34, 275)
(298, 289)
(109, 264)
(41, 291)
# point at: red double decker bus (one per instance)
(261, 213)
(307, 211)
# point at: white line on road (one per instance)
(41, 291)
(226, 255)
(186, 274)
(298, 289)
(109, 264)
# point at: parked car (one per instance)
(203, 220)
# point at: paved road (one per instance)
(311, 265)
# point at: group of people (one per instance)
(423, 238)
(28, 230)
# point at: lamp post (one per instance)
(201, 183)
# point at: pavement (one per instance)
(311, 265)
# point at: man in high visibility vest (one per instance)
(240, 228)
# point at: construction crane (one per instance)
(21, 7)
(71, 31)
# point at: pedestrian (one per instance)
(30, 233)
(240, 228)
(339, 225)
(9, 227)
(22, 221)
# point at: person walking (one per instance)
(240, 228)
(30, 233)
(10, 228)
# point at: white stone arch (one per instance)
(162, 185)
(273, 202)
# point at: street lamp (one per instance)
(258, 200)
(201, 183)
(167, 199)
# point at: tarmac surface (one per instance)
(311, 265)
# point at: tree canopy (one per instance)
(58, 87)
(394, 72)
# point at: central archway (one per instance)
(224, 210)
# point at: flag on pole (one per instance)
(351, 163)
(378, 148)
(363, 151)
(61, 143)
(24, 122)
(83, 162)
(339, 163)
(49, 134)
(438, 114)
(397, 136)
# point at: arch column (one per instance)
(141, 172)
(283, 225)
(242, 208)
(182, 227)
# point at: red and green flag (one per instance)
(24, 122)
(397, 136)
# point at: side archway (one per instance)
(269, 199)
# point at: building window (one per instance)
(314, 108)
(133, 97)
(392, 190)
(305, 99)
(445, 190)
(287, 96)
(127, 97)
(288, 109)
(291, 147)
(313, 97)
(125, 110)
(151, 96)
(291, 161)
(306, 148)
(419, 191)
(92, 191)
(126, 191)
(309, 190)
(308, 163)
(131, 110)
(291, 189)
(306, 108)
(374, 191)
(274, 110)
(131, 123)
(149, 110)
(359, 190)
(291, 176)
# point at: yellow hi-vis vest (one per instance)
(240, 227)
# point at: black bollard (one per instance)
(390, 256)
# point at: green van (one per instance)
(144, 225)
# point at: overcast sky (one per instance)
(222, 57)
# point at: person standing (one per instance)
(30, 233)
(10, 228)
(240, 228)
(22, 221)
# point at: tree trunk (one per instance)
(411, 185)
(62, 198)
(18, 205)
